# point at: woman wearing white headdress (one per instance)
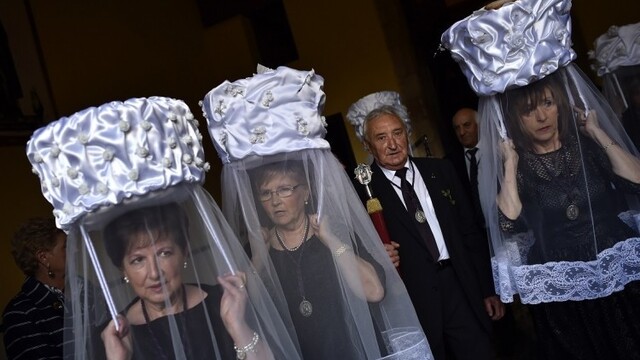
(563, 213)
(154, 271)
(616, 58)
(310, 238)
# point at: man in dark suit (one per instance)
(465, 125)
(444, 258)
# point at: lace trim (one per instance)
(407, 344)
(563, 281)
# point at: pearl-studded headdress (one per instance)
(513, 46)
(619, 46)
(268, 131)
(359, 110)
(102, 155)
(283, 106)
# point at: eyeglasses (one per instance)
(282, 192)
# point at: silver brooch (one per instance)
(234, 90)
(267, 98)
(220, 108)
(302, 126)
(258, 135)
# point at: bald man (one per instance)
(465, 125)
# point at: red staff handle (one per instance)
(374, 208)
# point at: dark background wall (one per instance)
(74, 54)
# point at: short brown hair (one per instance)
(35, 234)
(519, 100)
(168, 219)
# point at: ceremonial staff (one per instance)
(374, 208)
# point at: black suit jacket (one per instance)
(458, 160)
(466, 245)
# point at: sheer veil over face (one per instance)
(161, 259)
(579, 218)
(293, 207)
(153, 269)
(262, 197)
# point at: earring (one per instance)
(306, 202)
(50, 273)
(185, 264)
(126, 279)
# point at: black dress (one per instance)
(325, 333)
(603, 328)
(153, 340)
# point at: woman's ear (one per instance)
(41, 256)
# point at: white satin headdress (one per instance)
(274, 111)
(513, 46)
(103, 155)
(359, 110)
(619, 46)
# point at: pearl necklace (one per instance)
(304, 236)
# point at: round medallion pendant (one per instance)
(420, 216)
(572, 212)
(306, 309)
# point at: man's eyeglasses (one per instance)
(282, 192)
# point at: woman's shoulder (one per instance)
(203, 292)
(29, 297)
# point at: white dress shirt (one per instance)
(425, 201)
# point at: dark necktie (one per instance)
(473, 168)
(417, 214)
(473, 180)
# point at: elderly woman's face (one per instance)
(282, 197)
(541, 120)
(153, 265)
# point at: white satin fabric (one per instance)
(618, 47)
(512, 46)
(145, 156)
(285, 108)
(102, 155)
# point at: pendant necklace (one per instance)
(419, 214)
(182, 324)
(572, 211)
(305, 307)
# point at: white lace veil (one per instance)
(341, 320)
(136, 168)
(601, 245)
(576, 236)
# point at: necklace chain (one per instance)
(305, 307)
(304, 236)
(156, 342)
